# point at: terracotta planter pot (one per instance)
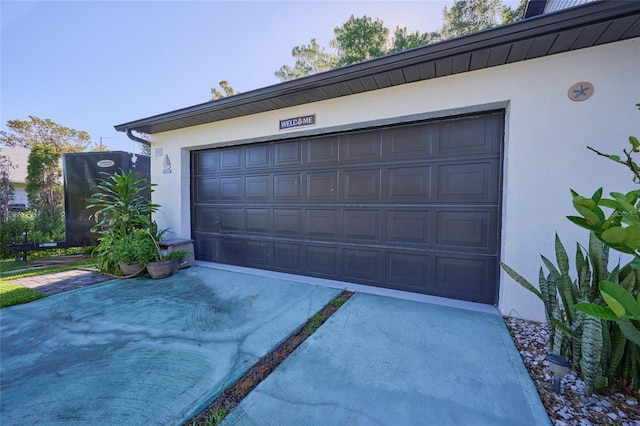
(160, 269)
(132, 269)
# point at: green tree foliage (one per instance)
(513, 15)
(11, 232)
(44, 174)
(44, 192)
(37, 131)
(310, 59)
(228, 91)
(47, 141)
(469, 16)
(360, 39)
(6, 190)
(404, 40)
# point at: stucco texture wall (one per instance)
(546, 135)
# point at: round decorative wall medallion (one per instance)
(580, 91)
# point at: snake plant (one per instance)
(598, 348)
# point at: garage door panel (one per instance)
(408, 143)
(408, 184)
(257, 188)
(206, 247)
(362, 225)
(205, 190)
(412, 207)
(361, 265)
(468, 182)
(231, 251)
(322, 261)
(230, 188)
(322, 186)
(468, 278)
(258, 220)
(208, 217)
(231, 220)
(408, 226)
(231, 158)
(361, 185)
(322, 150)
(469, 136)
(361, 147)
(287, 222)
(258, 253)
(258, 156)
(323, 223)
(206, 162)
(288, 154)
(287, 257)
(466, 229)
(409, 272)
(287, 187)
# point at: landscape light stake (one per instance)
(559, 366)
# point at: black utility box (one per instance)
(82, 172)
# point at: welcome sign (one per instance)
(290, 123)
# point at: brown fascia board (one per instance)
(569, 19)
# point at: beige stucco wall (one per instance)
(546, 135)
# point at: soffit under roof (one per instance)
(577, 28)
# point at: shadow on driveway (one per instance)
(142, 351)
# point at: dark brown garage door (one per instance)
(413, 207)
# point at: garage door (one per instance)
(414, 207)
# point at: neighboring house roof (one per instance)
(580, 27)
(20, 159)
(538, 7)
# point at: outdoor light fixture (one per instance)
(559, 366)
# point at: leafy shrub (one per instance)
(138, 246)
(40, 228)
(598, 349)
(600, 311)
(123, 209)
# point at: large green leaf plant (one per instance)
(594, 319)
(122, 209)
(616, 222)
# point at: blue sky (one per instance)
(90, 65)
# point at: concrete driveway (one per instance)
(157, 352)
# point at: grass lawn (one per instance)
(13, 294)
(23, 273)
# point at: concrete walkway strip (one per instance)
(383, 361)
(142, 351)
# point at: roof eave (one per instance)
(528, 29)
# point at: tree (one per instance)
(44, 189)
(310, 59)
(469, 16)
(404, 40)
(6, 190)
(37, 131)
(360, 39)
(513, 15)
(228, 91)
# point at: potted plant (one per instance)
(178, 256)
(133, 251)
(122, 211)
(127, 232)
(161, 265)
